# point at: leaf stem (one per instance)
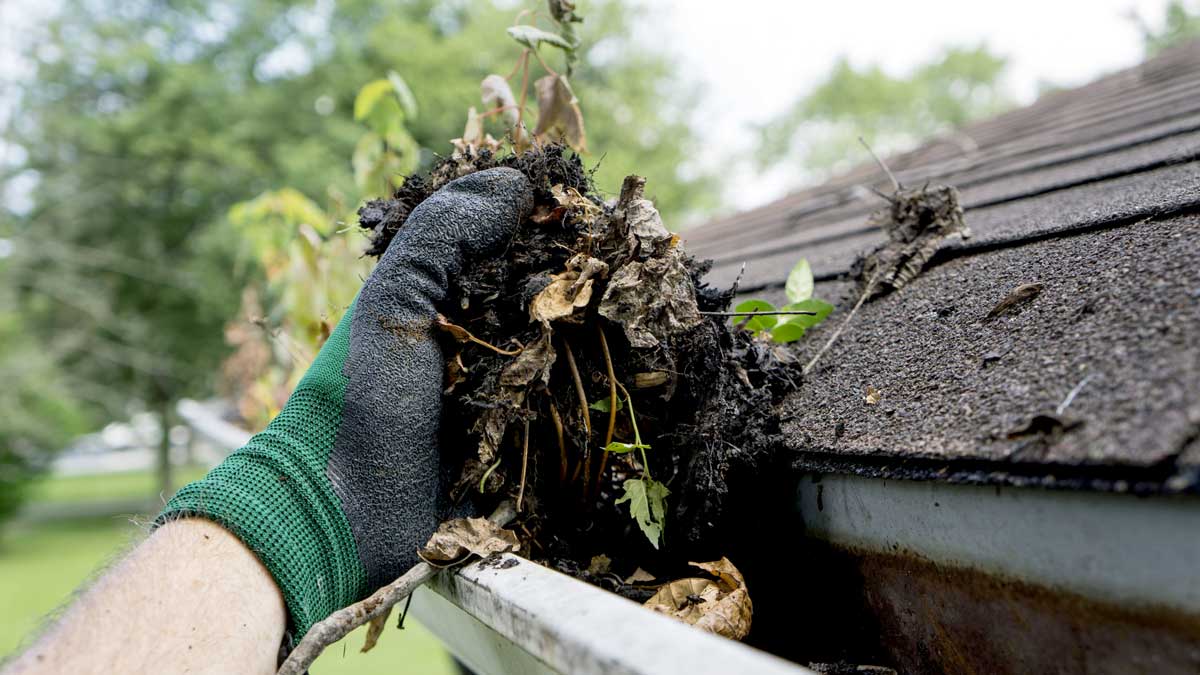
(612, 406)
(524, 466)
(637, 436)
(524, 94)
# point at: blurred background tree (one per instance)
(893, 113)
(1180, 23)
(144, 122)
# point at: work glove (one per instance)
(342, 487)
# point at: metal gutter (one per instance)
(510, 615)
(966, 578)
(1117, 548)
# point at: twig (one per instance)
(771, 313)
(612, 403)
(339, 624)
(558, 432)
(524, 466)
(1062, 407)
(838, 333)
(895, 183)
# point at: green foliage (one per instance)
(387, 151)
(604, 405)
(647, 501)
(533, 37)
(1181, 22)
(890, 112)
(785, 328)
(142, 126)
(41, 412)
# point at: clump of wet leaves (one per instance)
(584, 382)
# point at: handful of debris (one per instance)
(584, 379)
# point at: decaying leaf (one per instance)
(722, 606)
(582, 209)
(647, 505)
(1017, 297)
(915, 222)
(656, 378)
(639, 576)
(653, 300)
(496, 93)
(458, 539)
(374, 630)
(569, 292)
(559, 116)
(872, 396)
(531, 366)
(600, 564)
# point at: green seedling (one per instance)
(759, 316)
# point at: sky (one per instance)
(752, 58)
(755, 57)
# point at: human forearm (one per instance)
(190, 598)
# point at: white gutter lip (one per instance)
(572, 627)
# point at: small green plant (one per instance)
(387, 151)
(762, 318)
(647, 498)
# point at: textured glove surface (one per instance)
(339, 491)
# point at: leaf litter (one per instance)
(588, 287)
(595, 295)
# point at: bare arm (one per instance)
(189, 599)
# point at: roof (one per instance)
(1093, 193)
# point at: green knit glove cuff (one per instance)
(275, 496)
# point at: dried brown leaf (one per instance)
(374, 630)
(495, 92)
(458, 539)
(568, 292)
(722, 606)
(1017, 297)
(655, 378)
(582, 209)
(559, 116)
(873, 396)
(639, 576)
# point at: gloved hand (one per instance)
(339, 491)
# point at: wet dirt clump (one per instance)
(595, 303)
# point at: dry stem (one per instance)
(339, 624)
(838, 333)
(558, 432)
(524, 466)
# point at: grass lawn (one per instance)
(41, 564)
(108, 487)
